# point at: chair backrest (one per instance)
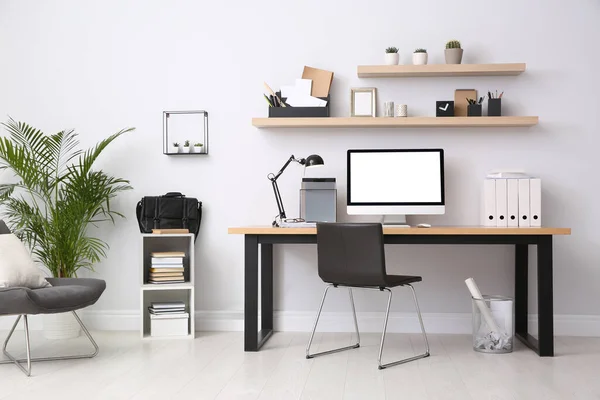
(3, 228)
(351, 254)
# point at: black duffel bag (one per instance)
(171, 211)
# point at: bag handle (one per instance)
(174, 194)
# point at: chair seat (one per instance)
(390, 281)
(398, 280)
(66, 294)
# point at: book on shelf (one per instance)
(154, 282)
(166, 274)
(167, 311)
(166, 278)
(167, 260)
(174, 268)
(169, 231)
(168, 304)
(167, 254)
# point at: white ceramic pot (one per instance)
(174, 149)
(187, 149)
(420, 58)
(198, 149)
(392, 58)
(61, 326)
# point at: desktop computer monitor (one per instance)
(396, 182)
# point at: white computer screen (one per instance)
(395, 177)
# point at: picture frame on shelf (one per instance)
(189, 127)
(363, 102)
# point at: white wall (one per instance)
(101, 66)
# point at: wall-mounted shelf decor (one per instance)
(182, 126)
(402, 71)
(382, 122)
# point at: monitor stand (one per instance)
(395, 221)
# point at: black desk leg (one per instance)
(545, 297)
(250, 293)
(521, 286)
(266, 287)
(253, 339)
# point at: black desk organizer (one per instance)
(299, 112)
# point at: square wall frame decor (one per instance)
(182, 126)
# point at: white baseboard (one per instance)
(294, 321)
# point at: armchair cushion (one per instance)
(17, 269)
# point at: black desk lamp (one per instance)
(310, 161)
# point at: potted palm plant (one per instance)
(54, 197)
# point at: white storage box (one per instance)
(169, 325)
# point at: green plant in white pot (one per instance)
(54, 197)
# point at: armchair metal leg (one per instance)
(385, 322)
(29, 360)
(312, 335)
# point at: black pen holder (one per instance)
(299, 112)
(494, 107)
(474, 110)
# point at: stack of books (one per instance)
(167, 267)
(174, 308)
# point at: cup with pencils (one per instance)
(494, 104)
(474, 107)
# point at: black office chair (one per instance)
(352, 255)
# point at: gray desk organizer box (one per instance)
(318, 200)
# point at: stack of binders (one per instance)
(167, 267)
(512, 200)
(175, 308)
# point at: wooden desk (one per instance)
(521, 238)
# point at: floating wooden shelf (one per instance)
(401, 71)
(391, 122)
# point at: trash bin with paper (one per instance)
(493, 324)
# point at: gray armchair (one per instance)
(65, 294)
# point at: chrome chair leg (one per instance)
(312, 335)
(29, 360)
(385, 322)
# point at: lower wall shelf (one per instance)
(395, 122)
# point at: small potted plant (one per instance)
(391, 56)
(453, 52)
(198, 147)
(174, 148)
(186, 146)
(420, 57)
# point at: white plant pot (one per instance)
(420, 58)
(187, 149)
(173, 149)
(198, 149)
(392, 58)
(61, 326)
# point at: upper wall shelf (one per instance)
(381, 122)
(401, 71)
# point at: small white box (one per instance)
(169, 325)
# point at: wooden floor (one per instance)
(214, 367)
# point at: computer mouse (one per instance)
(423, 226)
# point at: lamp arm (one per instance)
(278, 199)
(302, 161)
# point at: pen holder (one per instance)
(474, 110)
(494, 107)
(299, 112)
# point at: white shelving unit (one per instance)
(169, 291)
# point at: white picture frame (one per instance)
(363, 102)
